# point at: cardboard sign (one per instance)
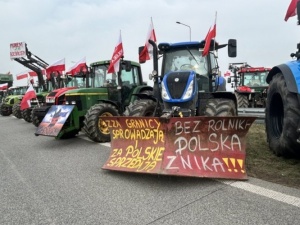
(192, 146)
(54, 120)
(17, 50)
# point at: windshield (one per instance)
(76, 82)
(102, 78)
(255, 79)
(183, 60)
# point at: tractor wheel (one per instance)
(26, 114)
(94, 127)
(143, 107)
(35, 120)
(16, 111)
(129, 107)
(242, 100)
(5, 110)
(282, 118)
(220, 107)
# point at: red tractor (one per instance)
(249, 85)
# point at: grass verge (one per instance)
(263, 164)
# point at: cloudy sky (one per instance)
(73, 29)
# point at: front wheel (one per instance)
(242, 100)
(220, 107)
(94, 127)
(16, 111)
(282, 118)
(26, 114)
(143, 107)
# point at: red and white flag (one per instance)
(292, 10)
(147, 52)
(30, 94)
(34, 74)
(22, 75)
(79, 66)
(57, 66)
(3, 86)
(210, 35)
(116, 57)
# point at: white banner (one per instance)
(17, 50)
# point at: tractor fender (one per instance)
(291, 73)
(145, 96)
(229, 95)
(109, 102)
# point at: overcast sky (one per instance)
(73, 29)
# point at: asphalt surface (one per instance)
(48, 181)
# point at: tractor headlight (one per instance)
(50, 100)
(164, 93)
(189, 92)
(33, 101)
(73, 102)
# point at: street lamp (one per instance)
(186, 26)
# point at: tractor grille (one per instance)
(176, 83)
(76, 99)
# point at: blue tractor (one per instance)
(189, 85)
(283, 106)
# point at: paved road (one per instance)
(48, 181)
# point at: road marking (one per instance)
(107, 144)
(291, 200)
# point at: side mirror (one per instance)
(140, 50)
(232, 48)
(127, 66)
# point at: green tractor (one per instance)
(109, 95)
(4, 92)
(13, 97)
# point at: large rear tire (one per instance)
(16, 111)
(220, 107)
(242, 100)
(282, 118)
(143, 107)
(26, 114)
(94, 127)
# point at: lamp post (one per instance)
(186, 26)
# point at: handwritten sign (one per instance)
(54, 120)
(17, 50)
(198, 146)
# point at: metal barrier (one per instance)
(257, 112)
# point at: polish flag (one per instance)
(210, 35)
(78, 67)
(291, 11)
(3, 86)
(117, 55)
(30, 94)
(22, 75)
(147, 52)
(34, 74)
(57, 66)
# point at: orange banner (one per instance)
(191, 146)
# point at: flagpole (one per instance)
(215, 31)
